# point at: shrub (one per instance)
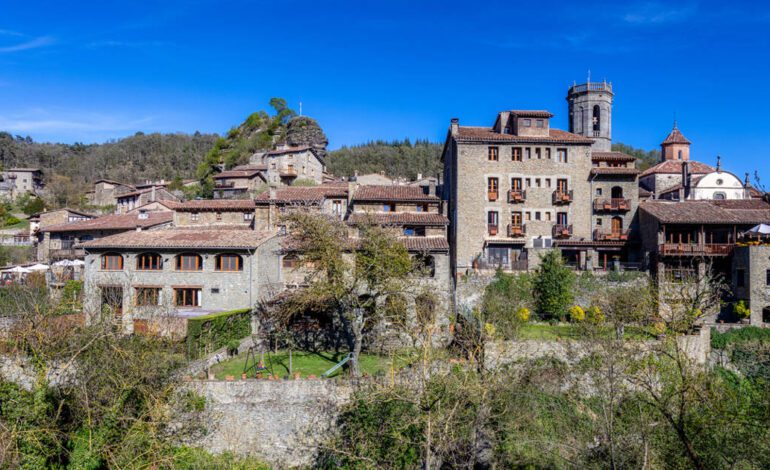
(208, 333)
(595, 315)
(739, 335)
(741, 310)
(577, 314)
(522, 314)
(553, 286)
(232, 347)
(12, 220)
(659, 328)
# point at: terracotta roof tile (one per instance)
(398, 218)
(114, 222)
(675, 137)
(393, 193)
(288, 150)
(304, 194)
(251, 166)
(531, 113)
(182, 238)
(675, 167)
(425, 243)
(612, 157)
(487, 134)
(237, 174)
(741, 212)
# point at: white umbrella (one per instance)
(39, 267)
(78, 262)
(64, 262)
(761, 229)
(18, 270)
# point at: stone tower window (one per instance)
(679, 155)
(597, 116)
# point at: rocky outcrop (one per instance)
(302, 130)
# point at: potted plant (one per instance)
(742, 311)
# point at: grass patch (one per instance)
(549, 332)
(307, 363)
(739, 335)
(22, 224)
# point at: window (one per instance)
(189, 262)
(290, 261)
(147, 296)
(597, 120)
(219, 216)
(388, 207)
(548, 182)
(740, 278)
(516, 154)
(414, 231)
(516, 184)
(497, 256)
(248, 216)
(425, 265)
(187, 297)
(528, 182)
(516, 219)
(548, 153)
(194, 216)
(720, 196)
(598, 222)
(337, 207)
(548, 216)
(561, 155)
(112, 262)
(229, 262)
(537, 182)
(493, 154)
(561, 185)
(537, 215)
(527, 216)
(492, 222)
(492, 188)
(538, 152)
(149, 262)
(679, 155)
(598, 191)
(540, 123)
(767, 280)
(561, 218)
(528, 153)
(422, 208)
(527, 122)
(507, 130)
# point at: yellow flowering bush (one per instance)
(595, 315)
(659, 328)
(523, 314)
(577, 314)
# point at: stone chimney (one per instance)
(152, 194)
(352, 185)
(686, 180)
(432, 188)
(454, 126)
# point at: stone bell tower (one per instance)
(590, 112)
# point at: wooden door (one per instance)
(617, 226)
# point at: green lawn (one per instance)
(309, 364)
(549, 332)
(24, 223)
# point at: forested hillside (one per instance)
(132, 159)
(644, 158)
(396, 158)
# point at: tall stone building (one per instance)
(521, 187)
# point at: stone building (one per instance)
(751, 280)
(60, 241)
(240, 182)
(18, 181)
(287, 164)
(329, 199)
(590, 113)
(179, 273)
(129, 201)
(106, 192)
(514, 188)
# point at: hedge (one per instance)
(739, 335)
(215, 330)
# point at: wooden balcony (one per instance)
(516, 196)
(562, 197)
(618, 236)
(288, 172)
(516, 231)
(695, 249)
(562, 231)
(612, 205)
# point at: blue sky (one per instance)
(388, 69)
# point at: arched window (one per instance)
(597, 117)
(112, 262)
(395, 309)
(424, 265)
(149, 262)
(617, 192)
(720, 196)
(290, 261)
(229, 262)
(679, 155)
(189, 262)
(425, 308)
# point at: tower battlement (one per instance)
(590, 112)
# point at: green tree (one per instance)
(553, 286)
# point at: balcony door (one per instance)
(561, 185)
(617, 226)
(516, 184)
(516, 219)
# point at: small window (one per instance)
(548, 153)
(112, 262)
(527, 122)
(422, 208)
(537, 182)
(561, 155)
(540, 123)
(767, 274)
(528, 153)
(493, 186)
(337, 207)
(527, 216)
(598, 222)
(720, 196)
(229, 262)
(507, 130)
(740, 278)
(493, 154)
(290, 261)
(388, 207)
(248, 216)
(147, 296)
(219, 216)
(538, 153)
(149, 262)
(189, 262)
(516, 154)
(194, 216)
(561, 218)
(528, 182)
(215, 290)
(598, 191)
(720, 182)
(187, 297)
(548, 182)
(537, 215)
(548, 216)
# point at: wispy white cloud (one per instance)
(136, 44)
(71, 122)
(653, 13)
(27, 45)
(8, 32)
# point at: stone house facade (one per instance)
(106, 192)
(18, 181)
(514, 187)
(751, 280)
(127, 202)
(286, 164)
(238, 183)
(179, 272)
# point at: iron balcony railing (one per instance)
(562, 196)
(619, 235)
(516, 230)
(517, 195)
(562, 231)
(612, 205)
(696, 249)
